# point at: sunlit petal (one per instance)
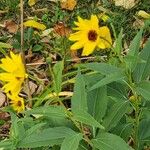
(88, 48)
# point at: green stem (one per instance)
(131, 85)
(77, 124)
(114, 31)
(136, 124)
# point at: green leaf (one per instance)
(135, 44)
(92, 78)
(118, 45)
(71, 142)
(30, 32)
(117, 91)
(55, 111)
(5, 45)
(45, 137)
(144, 130)
(57, 70)
(103, 68)
(83, 146)
(7, 145)
(17, 128)
(97, 102)
(34, 128)
(107, 141)
(124, 130)
(115, 114)
(108, 79)
(142, 70)
(37, 48)
(86, 118)
(133, 51)
(44, 96)
(143, 89)
(79, 98)
(3, 51)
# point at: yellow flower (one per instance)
(34, 24)
(17, 103)
(89, 36)
(14, 73)
(143, 14)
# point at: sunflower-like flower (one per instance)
(13, 74)
(89, 36)
(17, 103)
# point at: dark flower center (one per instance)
(92, 35)
(19, 104)
(18, 78)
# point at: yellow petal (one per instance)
(13, 56)
(80, 19)
(20, 68)
(105, 36)
(88, 48)
(34, 24)
(7, 64)
(83, 24)
(101, 44)
(16, 58)
(77, 45)
(80, 35)
(76, 23)
(31, 2)
(94, 19)
(94, 22)
(143, 14)
(13, 87)
(6, 77)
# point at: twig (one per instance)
(22, 52)
(69, 60)
(22, 32)
(38, 10)
(4, 135)
(3, 11)
(64, 93)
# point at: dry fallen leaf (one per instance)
(11, 26)
(68, 4)
(75, 57)
(53, 1)
(143, 14)
(65, 93)
(46, 32)
(104, 17)
(2, 99)
(34, 24)
(31, 2)
(32, 87)
(138, 23)
(4, 116)
(127, 4)
(61, 29)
